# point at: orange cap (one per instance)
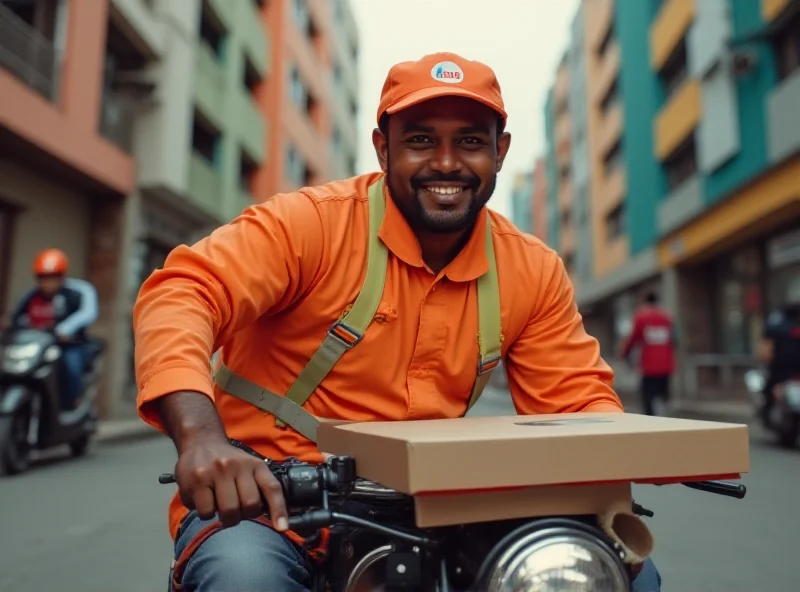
(50, 262)
(440, 75)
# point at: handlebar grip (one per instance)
(165, 478)
(725, 488)
(311, 520)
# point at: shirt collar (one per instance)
(470, 263)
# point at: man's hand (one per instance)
(215, 477)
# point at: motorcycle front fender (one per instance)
(13, 397)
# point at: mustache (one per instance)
(469, 180)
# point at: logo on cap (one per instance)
(448, 72)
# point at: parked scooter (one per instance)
(31, 417)
(784, 416)
(375, 545)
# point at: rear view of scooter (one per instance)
(783, 418)
(31, 413)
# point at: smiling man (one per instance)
(389, 296)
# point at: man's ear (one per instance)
(381, 148)
(503, 144)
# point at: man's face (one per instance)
(49, 284)
(441, 160)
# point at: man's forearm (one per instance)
(187, 416)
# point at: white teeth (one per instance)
(445, 190)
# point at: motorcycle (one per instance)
(374, 544)
(783, 419)
(31, 417)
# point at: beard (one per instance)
(440, 221)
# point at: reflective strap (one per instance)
(289, 411)
(489, 320)
(349, 330)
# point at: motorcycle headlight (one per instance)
(557, 560)
(18, 359)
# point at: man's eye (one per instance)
(472, 140)
(419, 139)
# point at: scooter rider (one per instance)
(66, 305)
(289, 288)
(780, 348)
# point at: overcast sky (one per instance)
(521, 40)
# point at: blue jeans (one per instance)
(73, 360)
(250, 557)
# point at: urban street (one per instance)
(98, 524)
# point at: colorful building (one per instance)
(539, 205)
(522, 201)
(128, 127)
(694, 147)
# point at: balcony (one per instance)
(782, 121)
(250, 124)
(210, 84)
(567, 240)
(599, 19)
(678, 118)
(614, 189)
(205, 185)
(668, 29)
(27, 54)
(608, 71)
(253, 35)
(116, 121)
(611, 128)
(565, 195)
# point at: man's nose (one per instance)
(446, 158)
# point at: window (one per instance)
(613, 158)
(295, 167)
(564, 171)
(353, 107)
(351, 166)
(39, 15)
(675, 70)
(211, 31)
(297, 90)
(787, 46)
(205, 139)
(615, 223)
(247, 170)
(681, 164)
(251, 77)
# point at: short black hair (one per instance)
(383, 125)
(651, 298)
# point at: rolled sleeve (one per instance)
(555, 366)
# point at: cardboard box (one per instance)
(490, 468)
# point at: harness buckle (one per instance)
(488, 365)
(344, 334)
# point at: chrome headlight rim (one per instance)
(512, 548)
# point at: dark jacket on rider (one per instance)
(783, 329)
(72, 309)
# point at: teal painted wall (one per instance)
(551, 169)
(642, 97)
(752, 91)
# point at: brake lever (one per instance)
(726, 488)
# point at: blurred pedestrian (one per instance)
(653, 334)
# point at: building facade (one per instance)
(522, 202)
(312, 95)
(539, 205)
(694, 150)
(128, 127)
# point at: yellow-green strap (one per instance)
(489, 320)
(349, 329)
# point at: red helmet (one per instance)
(51, 262)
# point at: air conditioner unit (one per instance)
(137, 83)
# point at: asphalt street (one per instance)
(98, 524)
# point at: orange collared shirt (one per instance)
(268, 286)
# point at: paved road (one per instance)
(98, 524)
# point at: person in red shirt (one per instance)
(654, 335)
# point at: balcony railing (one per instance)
(27, 54)
(116, 121)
